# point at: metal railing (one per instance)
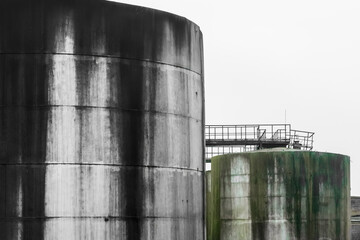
(223, 139)
(213, 151)
(301, 140)
(247, 132)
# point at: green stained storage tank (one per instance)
(280, 194)
(208, 205)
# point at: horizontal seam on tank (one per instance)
(286, 196)
(235, 175)
(285, 220)
(106, 56)
(99, 164)
(96, 217)
(97, 107)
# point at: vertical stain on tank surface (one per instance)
(258, 193)
(208, 203)
(62, 87)
(23, 130)
(312, 189)
(149, 135)
(132, 148)
(62, 94)
(294, 180)
(4, 225)
(176, 41)
(133, 187)
(17, 22)
(152, 81)
(94, 96)
(62, 26)
(215, 191)
(33, 176)
(34, 205)
(22, 82)
(90, 25)
(131, 87)
(62, 75)
(276, 201)
(339, 169)
(62, 81)
(167, 45)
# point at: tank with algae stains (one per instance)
(208, 204)
(279, 194)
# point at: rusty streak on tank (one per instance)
(101, 122)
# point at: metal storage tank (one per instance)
(208, 204)
(280, 194)
(101, 122)
(355, 217)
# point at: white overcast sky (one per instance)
(263, 58)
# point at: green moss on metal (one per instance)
(316, 185)
(208, 205)
(216, 170)
(259, 169)
(293, 188)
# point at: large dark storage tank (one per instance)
(101, 118)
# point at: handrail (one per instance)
(251, 131)
(222, 139)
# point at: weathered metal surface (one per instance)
(355, 228)
(355, 206)
(355, 218)
(280, 194)
(101, 122)
(208, 205)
